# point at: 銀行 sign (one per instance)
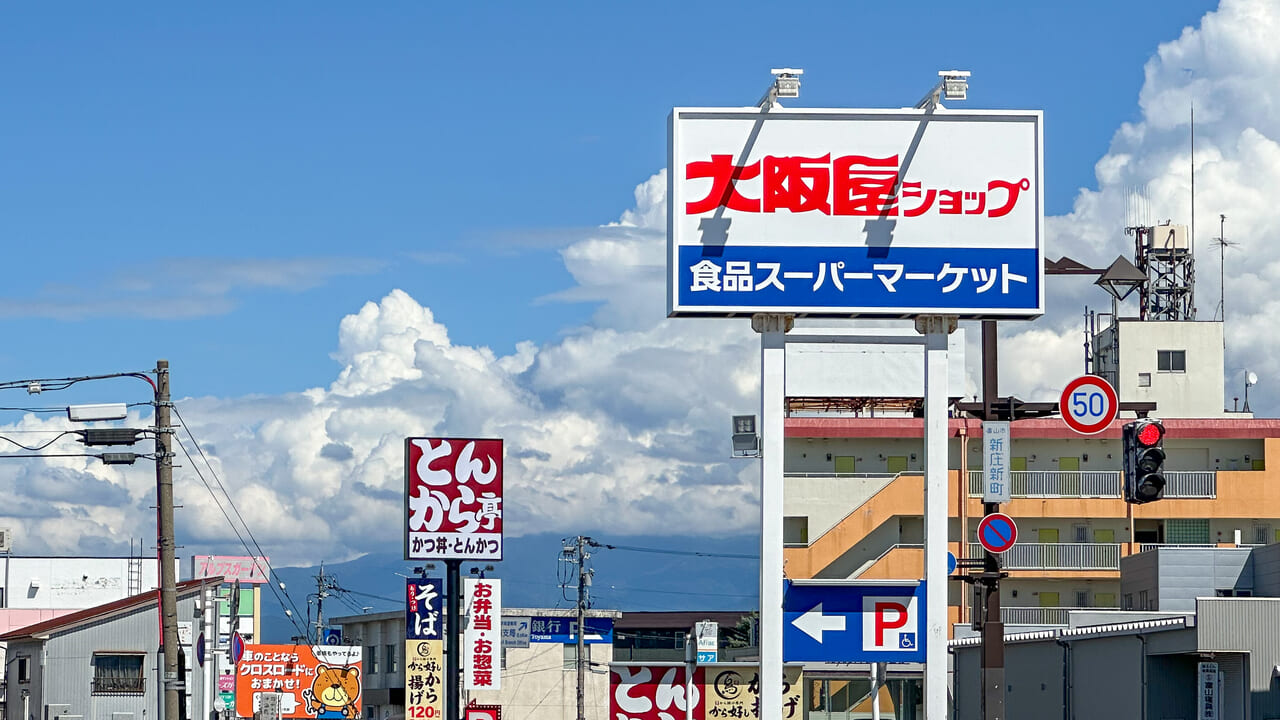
(855, 212)
(453, 499)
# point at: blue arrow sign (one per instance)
(852, 622)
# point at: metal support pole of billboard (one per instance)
(935, 328)
(773, 328)
(452, 664)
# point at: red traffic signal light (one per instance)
(1143, 442)
(1150, 434)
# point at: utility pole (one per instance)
(323, 585)
(165, 541)
(584, 580)
(993, 690)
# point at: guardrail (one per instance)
(1057, 556)
(1056, 483)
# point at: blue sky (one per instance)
(219, 185)
(345, 224)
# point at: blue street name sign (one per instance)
(853, 622)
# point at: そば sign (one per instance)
(453, 499)
(855, 212)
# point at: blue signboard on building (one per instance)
(564, 630)
(848, 622)
(855, 212)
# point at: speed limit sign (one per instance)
(1088, 404)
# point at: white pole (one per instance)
(935, 329)
(773, 370)
(875, 691)
(209, 619)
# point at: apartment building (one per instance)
(854, 493)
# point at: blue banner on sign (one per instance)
(853, 623)
(424, 608)
(706, 656)
(831, 278)
(562, 630)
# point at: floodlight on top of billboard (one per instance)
(888, 213)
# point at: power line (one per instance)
(692, 553)
(259, 554)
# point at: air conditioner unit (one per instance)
(1168, 237)
(52, 711)
(6, 539)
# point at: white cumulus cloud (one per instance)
(620, 425)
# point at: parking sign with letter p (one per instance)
(890, 623)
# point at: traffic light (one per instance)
(1143, 461)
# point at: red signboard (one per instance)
(453, 499)
(653, 692)
(718, 690)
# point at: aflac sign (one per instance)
(855, 212)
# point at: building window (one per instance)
(1128, 601)
(795, 530)
(391, 659)
(24, 669)
(371, 655)
(118, 673)
(1261, 534)
(1171, 361)
(1143, 603)
(571, 656)
(1082, 598)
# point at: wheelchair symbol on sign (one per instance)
(907, 641)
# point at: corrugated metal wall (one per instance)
(1189, 573)
(1266, 570)
(1251, 625)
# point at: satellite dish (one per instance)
(1251, 378)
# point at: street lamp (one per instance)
(786, 84)
(952, 85)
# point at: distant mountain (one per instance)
(639, 573)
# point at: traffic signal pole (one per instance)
(992, 625)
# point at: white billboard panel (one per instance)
(482, 640)
(855, 212)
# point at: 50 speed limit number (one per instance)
(1088, 404)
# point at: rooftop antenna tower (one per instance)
(1221, 241)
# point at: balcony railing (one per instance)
(1057, 556)
(1056, 483)
(1191, 484)
(1037, 615)
(1097, 483)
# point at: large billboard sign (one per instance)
(855, 212)
(453, 499)
(313, 681)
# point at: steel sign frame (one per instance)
(843, 212)
(1066, 404)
